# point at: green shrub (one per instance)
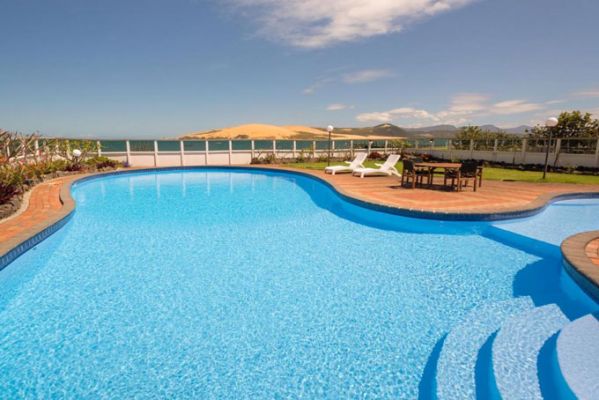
(11, 181)
(102, 163)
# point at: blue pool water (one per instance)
(238, 284)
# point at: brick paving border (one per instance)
(51, 204)
(581, 260)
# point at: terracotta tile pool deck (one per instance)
(50, 202)
(492, 197)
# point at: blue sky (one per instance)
(160, 68)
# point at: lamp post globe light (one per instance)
(330, 131)
(76, 153)
(549, 124)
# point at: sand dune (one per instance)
(265, 131)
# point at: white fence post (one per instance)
(155, 153)
(274, 149)
(98, 145)
(37, 148)
(206, 151)
(524, 145)
(369, 146)
(351, 148)
(495, 146)
(294, 149)
(253, 149)
(314, 148)
(385, 146)
(128, 150)
(230, 151)
(182, 152)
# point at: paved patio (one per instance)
(492, 197)
(46, 206)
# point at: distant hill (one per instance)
(449, 131)
(382, 130)
(435, 128)
(301, 132)
(517, 130)
(297, 132)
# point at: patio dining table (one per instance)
(432, 166)
(447, 166)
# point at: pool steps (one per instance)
(456, 368)
(516, 349)
(578, 356)
(496, 350)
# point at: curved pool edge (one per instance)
(533, 208)
(22, 242)
(579, 264)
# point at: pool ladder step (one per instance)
(456, 367)
(516, 350)
(510, 349)
(578, 356)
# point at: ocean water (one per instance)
(247, 284)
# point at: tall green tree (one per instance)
(476, 133)
(571, 124)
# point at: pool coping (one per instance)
(533, 208)
(579, 262)
(576, 262)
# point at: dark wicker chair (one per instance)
(416, 175)
(479, 173)
(468, 170)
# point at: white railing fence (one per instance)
(563, 152)
(157, 153)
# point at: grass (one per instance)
(493, 174)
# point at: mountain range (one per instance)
(300, 132)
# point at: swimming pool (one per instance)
(248, 284)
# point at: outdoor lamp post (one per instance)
(549, 124)
(330, 131)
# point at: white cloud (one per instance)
(514, 107)
(463, 108)
(587, 93)
(338, 107)
(354, 77)
(467, 103)
(366, 75)
(388, 116)
(375, 117)
(320, 23)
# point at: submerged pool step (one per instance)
(578, 356)
(516, 349)
(456, 368)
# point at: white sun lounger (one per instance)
(357, 163)
(386, 169)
